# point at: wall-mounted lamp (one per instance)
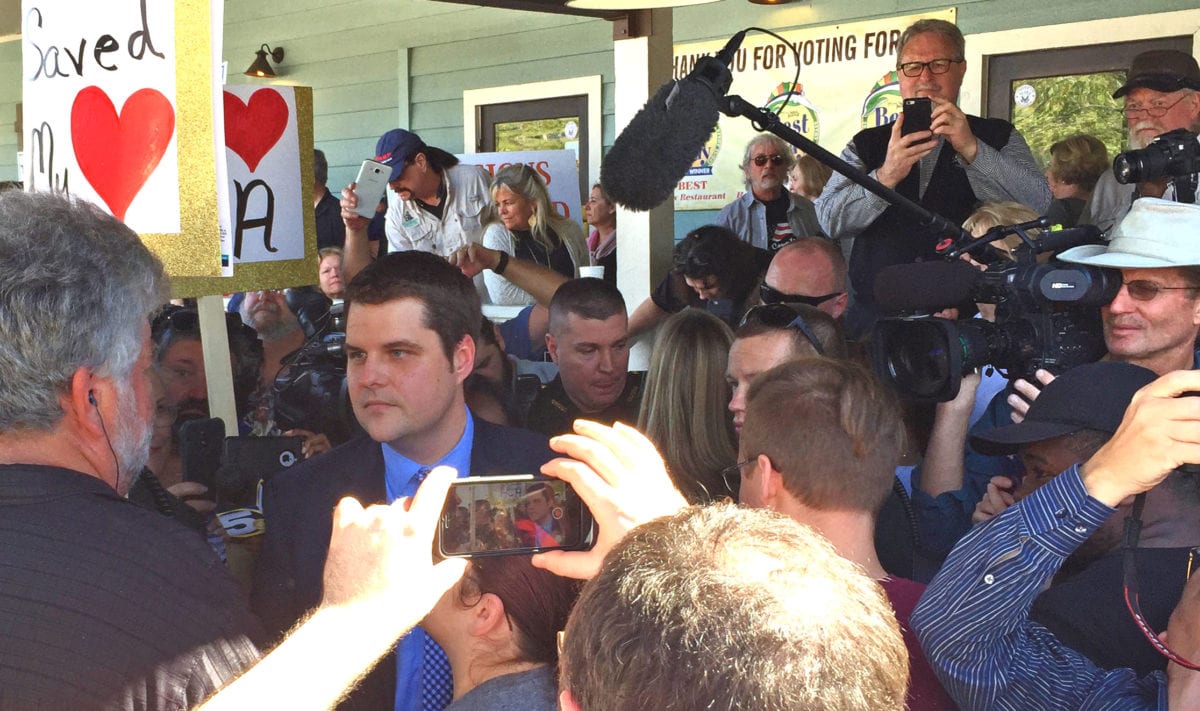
(261, 67)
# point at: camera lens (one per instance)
(919, 358)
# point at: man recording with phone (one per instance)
(435, 203)
(955, 163)
(1160, 96)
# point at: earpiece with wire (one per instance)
(116, 461)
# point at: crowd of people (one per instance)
(782, 530)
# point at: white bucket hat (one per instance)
(1155, 233)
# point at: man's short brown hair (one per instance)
(832, 430)
(721, 608)
(450, 304)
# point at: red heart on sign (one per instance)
(115, 153)
(252, 129)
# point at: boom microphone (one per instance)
(662, 140)
(924, 286)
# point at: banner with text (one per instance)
(847, 83)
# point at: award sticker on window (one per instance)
(1025, 95)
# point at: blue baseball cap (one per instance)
(396, 148)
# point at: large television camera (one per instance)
(310, 391)
(1047, 314)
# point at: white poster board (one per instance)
(266, 193)
(110, 105)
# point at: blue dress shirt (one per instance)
(973, 620)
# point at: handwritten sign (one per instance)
(111, 107)
(267, 188)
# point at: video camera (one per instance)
(1175, 154)
(1047, 314)
(310, 392)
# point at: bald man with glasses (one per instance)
(961, 161)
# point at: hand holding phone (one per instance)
(512, 515)
(370, 186)
(622, 478)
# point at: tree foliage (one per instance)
(1065, 105)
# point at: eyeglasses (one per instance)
(1142, 290)
(776, 160)
(782, 316)
(936, 66)
(771, 295)
(1153, 110)
(732, 475)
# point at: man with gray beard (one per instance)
(105, 604)
(1160, 96)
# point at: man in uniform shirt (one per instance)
(589, 341)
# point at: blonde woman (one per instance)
(529, 228)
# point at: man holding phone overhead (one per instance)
(411, 324)
(435, 203)
(960, 160)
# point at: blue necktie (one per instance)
(437, 682)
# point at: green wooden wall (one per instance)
(377, 64)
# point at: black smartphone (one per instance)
(200, 443)
(513, 515)
(249, 460)
(918, 115)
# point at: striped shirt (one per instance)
(973, 621)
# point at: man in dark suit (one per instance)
(412, 320)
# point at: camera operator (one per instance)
(1153, 321)
(1160, 96)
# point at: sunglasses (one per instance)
(776, 160)
(771, 295)
(782, 316)
(1142, 290)
(184, 319)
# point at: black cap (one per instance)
(1089, 397)
(1163, 70)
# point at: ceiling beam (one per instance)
(557, 7)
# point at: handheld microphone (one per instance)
(662, 140)
(924, 286)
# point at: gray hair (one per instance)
(781, 147)
(947, 30)
(76, 289)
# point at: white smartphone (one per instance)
(370, 185)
